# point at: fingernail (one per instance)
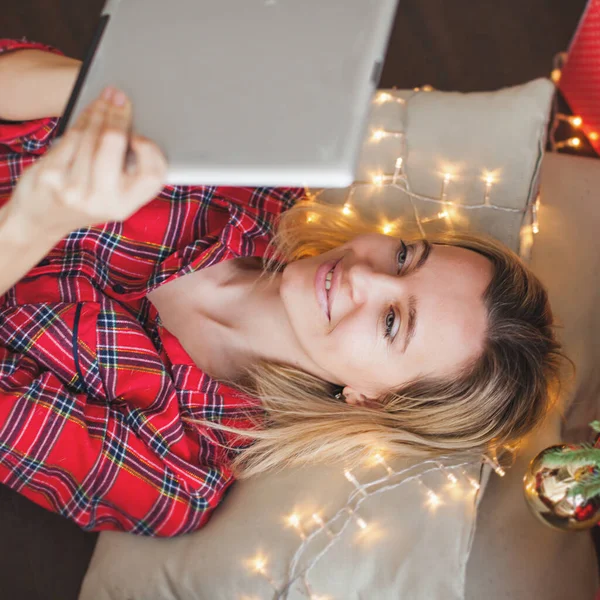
(108, 93)
(119, 98)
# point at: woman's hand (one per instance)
(96, 173)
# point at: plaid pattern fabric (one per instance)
(94, 392)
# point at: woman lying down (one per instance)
(156, 342)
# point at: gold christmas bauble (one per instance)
(547, 493)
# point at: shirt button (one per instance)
(118, 288)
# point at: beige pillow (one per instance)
(408, 550)
(446, 160)
(405, 536)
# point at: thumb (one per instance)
(146, 167)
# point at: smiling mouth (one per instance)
(326, 286)
(328, 279)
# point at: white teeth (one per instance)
(328, 278)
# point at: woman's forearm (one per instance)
(35, 84)
(21, 248)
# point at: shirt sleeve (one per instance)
(262, 200)
(105, 463)
(31, 137)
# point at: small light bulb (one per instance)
(380, 460)
(347, 210)
(310, 218)
(348, 475)
(492, 461)
(378, 134)
(474, 484)
(378, 180)
(535, 228)
(447, 177)
(399, 162)
(387, 228)
(434, 499)
(318, 520)
(555, 75)
(427, 88)
(574, 142)
(260, 564)
(576, 121)
(489, 180)
(361, 523)
(383, 97)
(594, 136)
(443, 214)
(452, 479)
(294, 520)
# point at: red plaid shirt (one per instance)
(93, 390)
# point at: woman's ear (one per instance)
(351, 396)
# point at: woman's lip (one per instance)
(321, 292)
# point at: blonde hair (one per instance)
(495, 400)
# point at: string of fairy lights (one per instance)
(398, 179)
(310, 526)
(574, 142)
(448, 208)
(575, 122)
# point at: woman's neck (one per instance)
(229, 316)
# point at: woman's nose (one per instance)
(366, 282)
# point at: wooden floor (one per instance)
(463, 45)
(460, 45)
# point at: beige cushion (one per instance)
(514, 555)
(468, 137)
(567, 259)
(407, 550)
(392, 557)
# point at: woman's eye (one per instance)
(402, 256)
(390, 319)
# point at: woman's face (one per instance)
(376, 313)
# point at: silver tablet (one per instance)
(244, 92)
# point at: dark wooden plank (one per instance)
(450, 44)
(66, 24)
(469, 45)
(42, 555)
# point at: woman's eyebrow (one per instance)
(412, 301)
(427, 248)
(412, 322)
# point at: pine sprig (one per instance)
(588, 488)
(584, 456)
(595, 425)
